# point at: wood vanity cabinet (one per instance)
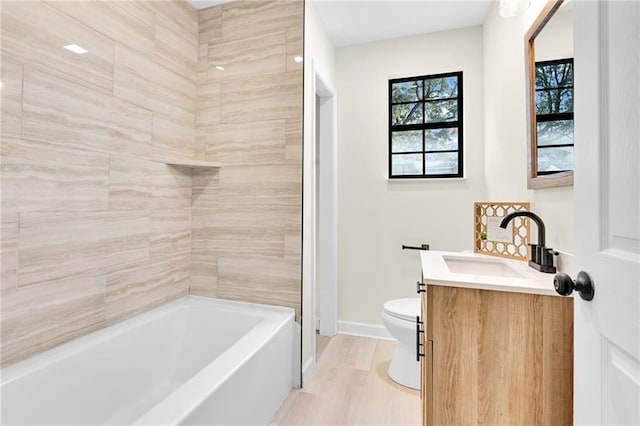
(494, 357)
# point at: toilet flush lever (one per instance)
(418, 344)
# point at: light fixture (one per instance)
(76, 49)
(298, 59)
(509, 8)
(219, 68)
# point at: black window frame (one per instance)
(428, 126)
(561, 116)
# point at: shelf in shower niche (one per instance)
(197, 164)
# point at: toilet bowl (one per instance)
(399, 317)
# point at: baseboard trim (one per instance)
(361, 329)
(307, 370)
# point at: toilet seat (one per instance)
(403, 309)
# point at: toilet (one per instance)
(399, 317)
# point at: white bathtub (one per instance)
(195, 361)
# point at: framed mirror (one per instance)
(549, 78)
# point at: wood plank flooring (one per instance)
(321, 344)
(350, 386)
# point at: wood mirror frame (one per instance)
(535, 181)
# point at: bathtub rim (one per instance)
(175, 407)
(44, 359)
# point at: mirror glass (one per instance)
(550, 74)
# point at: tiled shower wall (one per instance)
(247, 216)
(93, 230)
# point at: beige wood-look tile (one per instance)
(210, 24)
(204, 270)
(173, 139)
(271, 281)
(272, 179)
(35, 33)
(293, 244)
(142, 286)
(176, 48)
(58, 245)
(139, 80)
(261, 98)
(242, 57)
(38, 317)
(293, 153)
(130, 129)
(129, 186)
(169, 232)
(202, 66)
(245, 17)
(39, 176)
(126, 22)
(133, 77)
(206, 190)
(207, 258)
(295, 46)
(170, 187)
(245, 234)
(175, 95)
(11, 97)
(248, 144)
(200, 141)
(209, 97)
(181, 13)
(9, 250)
(137, 184)
(64, 113)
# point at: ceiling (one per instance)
(350, 22)
(364, 21)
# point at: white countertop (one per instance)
(522, 279)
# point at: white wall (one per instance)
(505, 131)
(376, 216)
(318, 56)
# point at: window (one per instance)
(425, 126)
(554, 116)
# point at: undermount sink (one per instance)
(493, 268)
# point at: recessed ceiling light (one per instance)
(76, 49)
(220, 68)
(298, 59)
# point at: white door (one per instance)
(607, 212)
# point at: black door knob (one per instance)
(564, 285)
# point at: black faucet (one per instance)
(541, 256)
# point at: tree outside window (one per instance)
(425, 126)
(554, 116)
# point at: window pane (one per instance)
(555, 132)
(406, 164)
(442, 164)
(441, 139)
(554, 101)
(555, 159)
(441, 88)
(554, 75)
(406, 141)
(441, 111)
(408, 91)
(406, 114)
